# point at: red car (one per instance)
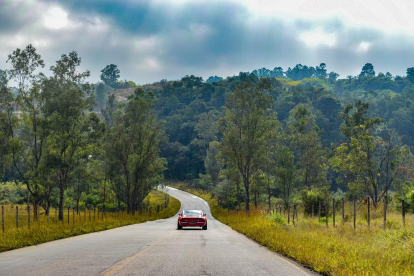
(192, 218)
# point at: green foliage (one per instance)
(367, 71)
(313, 198)
(110, 74)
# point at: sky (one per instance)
(150, 40)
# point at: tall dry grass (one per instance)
(42, 231)
(328, 250)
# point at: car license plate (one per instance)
(192, 222)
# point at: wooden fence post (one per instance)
(327, 214)
(94, 212)
(17, 217)
(294, 211)
(354, 213)
(85, 214)
(48, 216)
(73, 216)
(333, 212)
(343, 211)
(313, 209)
(288, 212)
(368, 212)
(89, 209)
(28, 216)
(385, 212)
(403, 211)
(2, 218)
(68, 215)
(319, 213)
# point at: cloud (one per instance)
(151, 40)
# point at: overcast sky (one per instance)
(151, 40)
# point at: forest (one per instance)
(262, 137)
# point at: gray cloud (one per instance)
(150, 40)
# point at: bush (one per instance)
(314, 197)
(276, 217)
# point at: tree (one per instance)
(333, 76)
(101, 92)
(354, 116)
(367, 71)
(213, 79)
(372, 163)
(278, 72)
(410, 74)
(134, 142)
(213, 163)
(247, 126)
(320, 71)
(285, 173)
(110, 74)
(73, 126)
(30, 137)
(307, 146)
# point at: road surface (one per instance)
(152, 248)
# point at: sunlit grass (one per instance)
(42, 231)
(327, 250)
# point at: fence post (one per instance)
(313, 209)
(327, 214)
(294, 211)
(85, 214)
(55, 215)
(343, 211)
(368, 212)
(354, 213)
(17, 217)
(333, 212)
(73, 216)
(28, 216)
(2, 218)
(403, 211)
(288, 214)
(385, 212)
(319, 214)
(89, 209)
(68, 215)
(48, 216)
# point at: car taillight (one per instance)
(184, 220)
(200, 220)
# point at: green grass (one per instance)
(327, 250)
(42, 231)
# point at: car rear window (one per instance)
(192, 212)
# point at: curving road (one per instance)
(152, 248)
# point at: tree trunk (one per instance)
(255, 198)
(247, 201)
(61, 192)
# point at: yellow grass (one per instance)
(42, 231)
(327, 250)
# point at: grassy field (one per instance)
(328, 250)
(42, 231)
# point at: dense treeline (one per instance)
(53, 143)
(312, 149)
(266, 136)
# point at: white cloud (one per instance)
(56, 18)
(317, 37)
(364, 46)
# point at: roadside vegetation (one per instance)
(159, 206)
(327, 250)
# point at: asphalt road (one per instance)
(152, 248)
